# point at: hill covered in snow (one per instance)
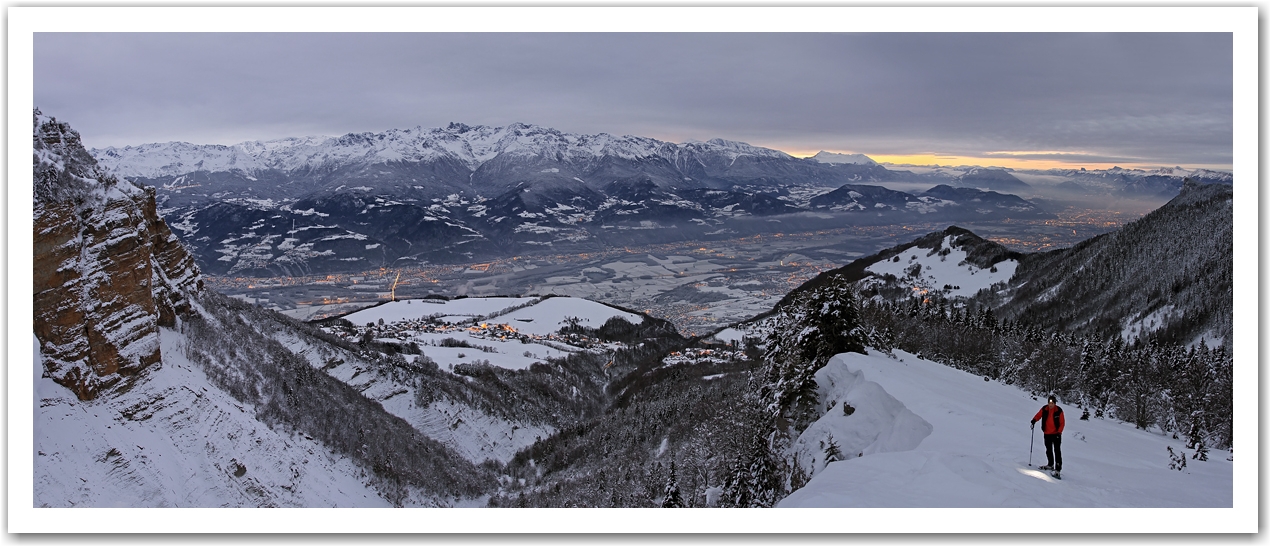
(1167, 276)
(926, 435)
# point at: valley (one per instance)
(699, 286)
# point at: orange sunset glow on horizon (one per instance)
(1016, 160)
(995, 160)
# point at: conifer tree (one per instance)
(807, 332)
(672, 498)
(763, 475)
(753, 478)
(736, 490)
(832, 451)
(798, 475)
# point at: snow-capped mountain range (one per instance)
(483, 153)
(319, 204)
(460, 193)
(471, 146)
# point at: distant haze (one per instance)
(1004, 99)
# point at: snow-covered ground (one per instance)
(927, 435)
(549, 316)
(730, 335)
(511, 333)
(174, 440)
(952, 270)
(475, 434)
(542, 317)
(453, 311)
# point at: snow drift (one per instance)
(976, 452)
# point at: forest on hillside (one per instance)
(717, 432)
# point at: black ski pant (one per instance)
(1054, 451)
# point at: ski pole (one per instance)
(1030, 444)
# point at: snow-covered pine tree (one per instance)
(797, 474)
(672, 497)
(833, 452)
(1219, 404)
(1196, 441)
(736, 489)
(1177, 460)
(764, 475)
(1112, 364)
(809, 330)
(1139, 388)
(753, 478)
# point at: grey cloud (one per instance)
(1162, 96)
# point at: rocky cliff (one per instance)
(108, 271)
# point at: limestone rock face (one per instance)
(108, 271)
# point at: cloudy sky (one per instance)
(1096, 100)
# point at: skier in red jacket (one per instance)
(1052, 421)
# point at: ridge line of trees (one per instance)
(1181, 390)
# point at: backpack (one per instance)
(1057, 413)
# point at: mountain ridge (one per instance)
(1167, 274)
(472, 145)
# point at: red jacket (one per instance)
(1050, 424)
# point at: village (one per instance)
(463, 330)
(412, 330)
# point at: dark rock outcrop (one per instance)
(107, 270)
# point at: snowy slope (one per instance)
(474, 434)
(550, 315)
(933, 436)
(512, 333)
(938, 270)
(175, 440)
(451, 311)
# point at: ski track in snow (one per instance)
(975, 452)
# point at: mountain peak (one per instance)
(837, 158)
(63, 168)
(995, 179)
